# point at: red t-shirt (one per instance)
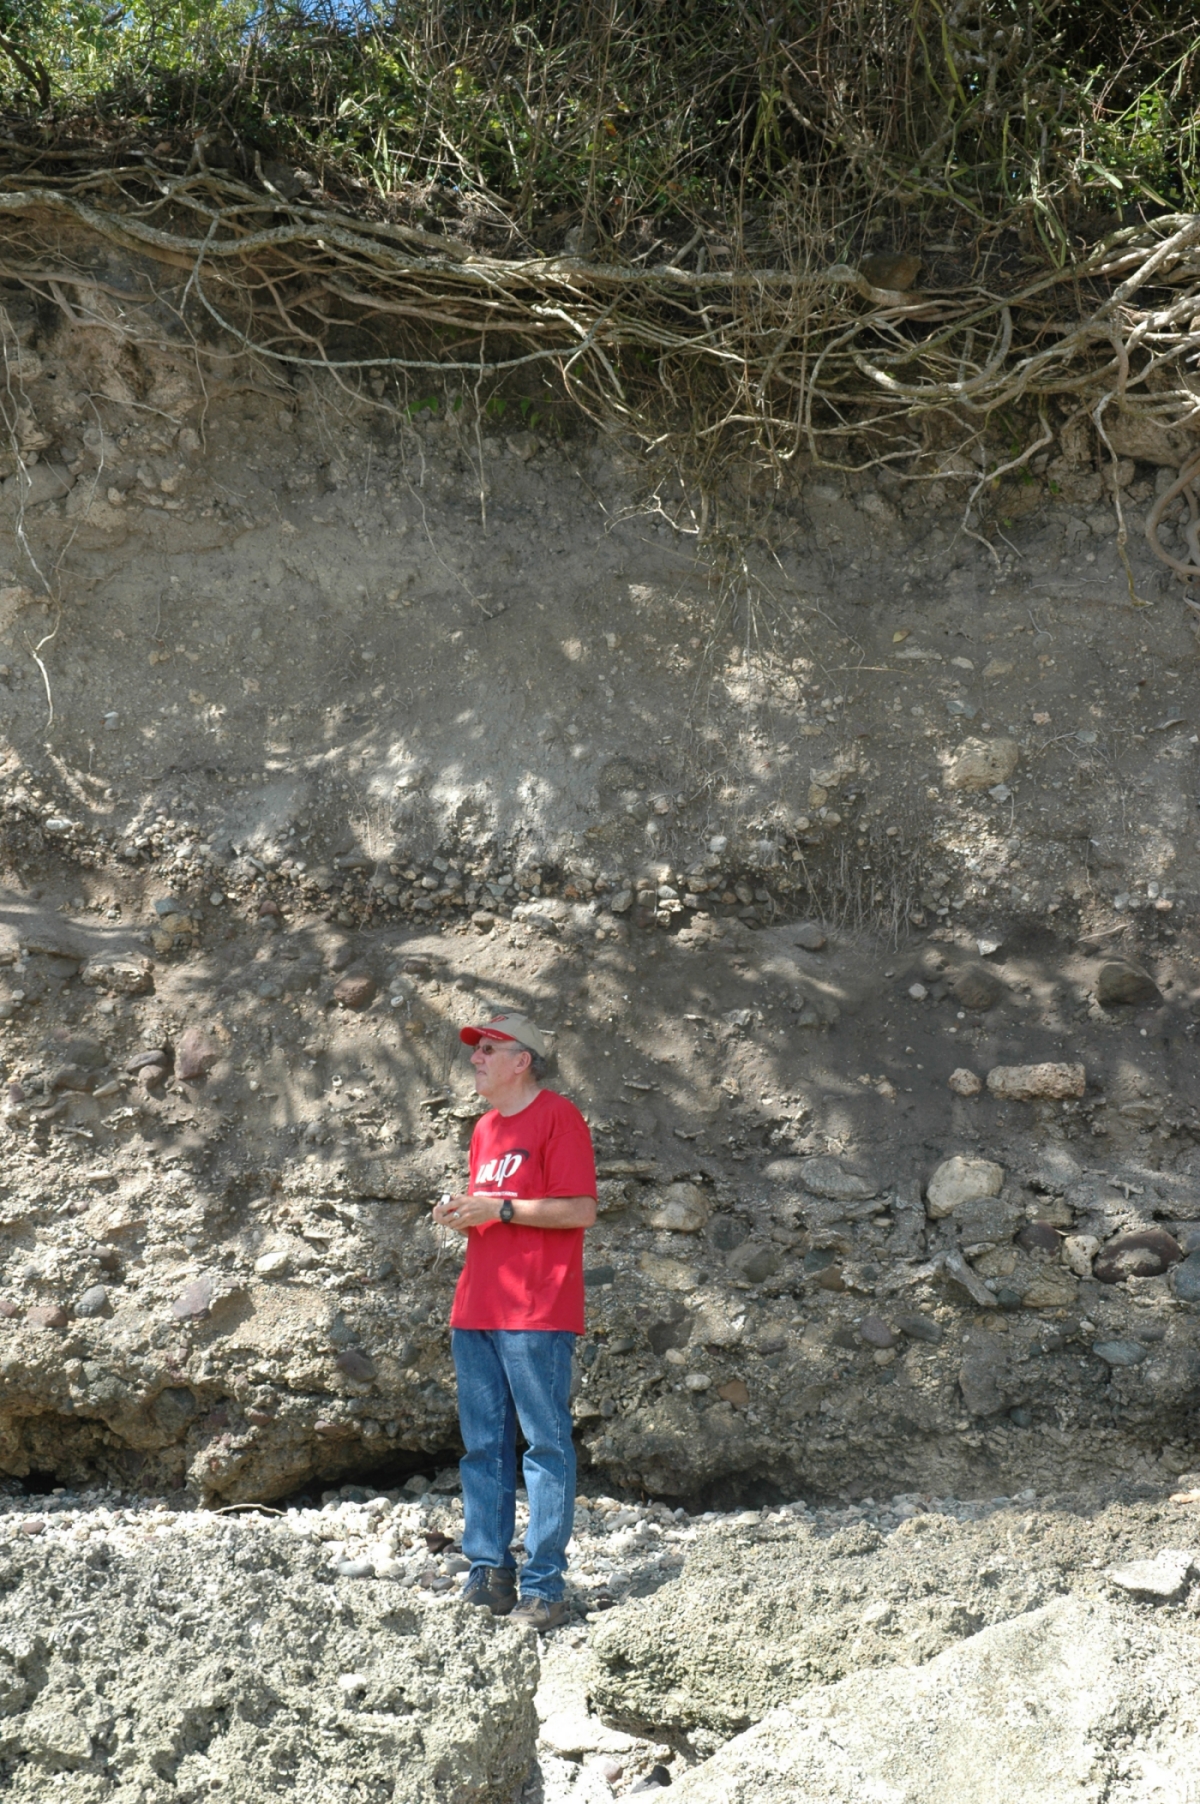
(516, 1276)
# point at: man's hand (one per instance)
(462, 1212)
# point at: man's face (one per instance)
(500, 1066)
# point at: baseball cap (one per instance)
(506, 1027)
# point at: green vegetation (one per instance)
(926, 231)
(638, 115)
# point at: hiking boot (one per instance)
(493, 1588)
(538, 1613)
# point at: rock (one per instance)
(1041, 1709)
(47, 1315)
(1148, 441)
(734, 1392)
(434, 1706)
(1053, 1288)
(572, 1734)
(964, 1082)
(754, 1261)
(839, 1182)
(679, 1208)
(120, 974)
(1147, 1253)
(1187, 1279)
(875, 1332)
(1040, 1237)
(1161, 1580)
(194, 1300)
(9, 1311)
(1119, 1352)
(274, 1264)
(918, 992)
(356, 990)
(152, 1077)
(1027, 1083)
(960, 1273)
(961, 1180)
(93, 1302)
(919, 1327)
(981, 763)
(1119, 982)
(482, 921)
(672, 1274)
(356, 1365)
(978, 988)
(195, 1055)
(809, 937)
(1079, 1251)
(156, 1055)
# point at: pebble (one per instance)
(920, 1327)
(93, 1302)
(356, 990)
(735, 1392)
(354, 1569)
(195, 1055)
(274, 1264)
(1079, 1251)
(1119, 1352)
(1039, 1237)
(917, 991)
(356, 1365)
(1148, 1253)
(193, 1301)
(876, 1332)
(964, 1082)
(1187, 1279)
(809, 937)
(47, 1315)
(679, 1208)
(978, 988)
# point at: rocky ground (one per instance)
(154, 1655)
(852, 865)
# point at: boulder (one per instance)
(962, 1180)
(1062, 1705)
(982, 763)
(389, 1699)
(1030, 1083)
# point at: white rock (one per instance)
(680, 1208)
(273, 1265)
(1063, 1705)
(917, 991)
(964, 1082)
(962, 1180)
(1160, 1580)
(572, 1734)
(1078, 1251)
(982, 763)
(1027, 1083)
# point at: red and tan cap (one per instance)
(506, 1027)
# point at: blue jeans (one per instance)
(506, 1376)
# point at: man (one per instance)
(517, 1310)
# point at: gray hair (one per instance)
(539, 1066)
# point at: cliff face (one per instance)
(327, 725)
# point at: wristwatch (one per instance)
(506, 1209)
